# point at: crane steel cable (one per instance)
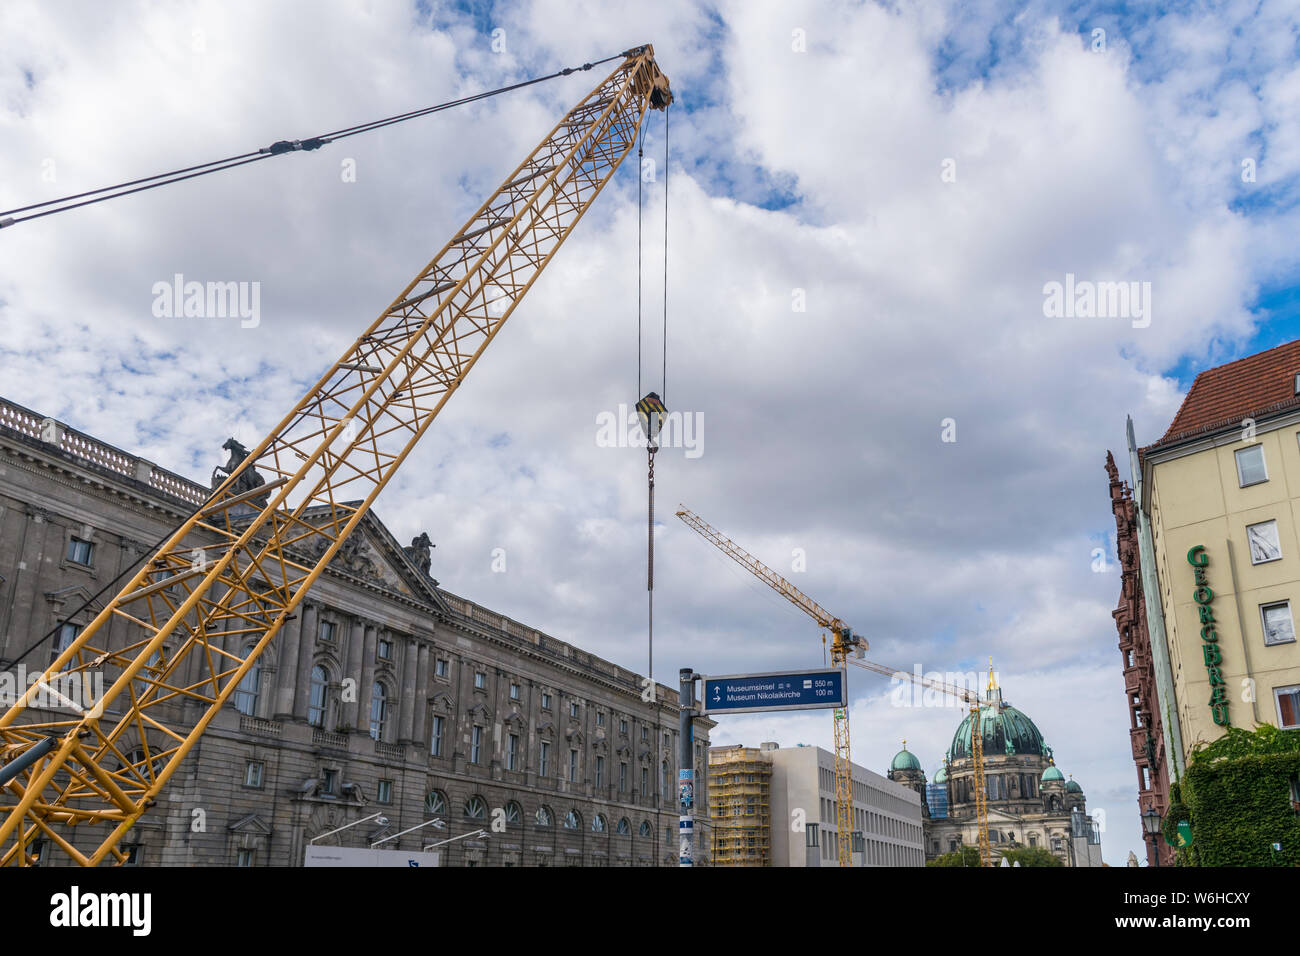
(278, 148)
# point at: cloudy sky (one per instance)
(865, 206)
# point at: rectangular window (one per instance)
(330, 782)
(622, 727)
(1146, 778)
(253, 773)
(325, 633)
(573, 709)
(384, 650)
(480, 680)
(476, 745)
(622, 777)
(244, 858)
(435, 737)
(384, 793)
(600, 771)
(543, 758)
(1264, 542)
(645, 781)
(1288, 707)
(67, 634)
(546, 701)
(512, 752)
(1278, 625)
(573, 766)
(442, 668)
(514, 691)
(1250, 466)
(80, 552)
(600, 718)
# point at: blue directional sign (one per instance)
(784, 690)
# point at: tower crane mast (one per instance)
(843, 642)
(200, 617)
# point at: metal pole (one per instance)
(33, 754)
(686, 769)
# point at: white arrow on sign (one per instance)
(717, 692)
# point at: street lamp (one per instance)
(1151, 825)
(383, 822)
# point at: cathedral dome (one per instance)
(1005, 731)
(1073, 787)
(941, 776)
(1052, 775)
(905, 760)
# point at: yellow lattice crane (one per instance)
(843, 642)
(977, 739)
(199, 618)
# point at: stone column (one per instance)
(407, 704)
(287, 665)
(367, 677)
(420, 700)
(355, 641)
(306, 651)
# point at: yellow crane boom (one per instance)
(977, 742)
(844, 641)
(200, 617)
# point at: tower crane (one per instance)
(843, 642)
(976, 736)
(198, 618)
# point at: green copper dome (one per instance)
(1005, 731)
(941, 776)
(1052, 774)
(1073, 787)
(905, 760)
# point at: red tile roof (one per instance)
(1251, 387)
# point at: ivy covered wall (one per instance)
(1238, 795)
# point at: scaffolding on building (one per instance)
(740, 785)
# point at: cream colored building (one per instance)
(1220, 496)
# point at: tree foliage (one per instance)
(1032, 856)
(962, 856)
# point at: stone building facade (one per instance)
(1146, 733)
(386, 694)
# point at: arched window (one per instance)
(378, 710)
(476, 807)
(138, 763)
(247, 692)
(513, 813)
(598, 824)
(572, 821)
(436, 803)
(645, 828)
(543, 816)
(320, 682)
(624, 827)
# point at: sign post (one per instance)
(686, 769)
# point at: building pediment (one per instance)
(251, 824)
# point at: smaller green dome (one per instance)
(905, 760)
(1073, 787)
(941, 776)
(1052, 774)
